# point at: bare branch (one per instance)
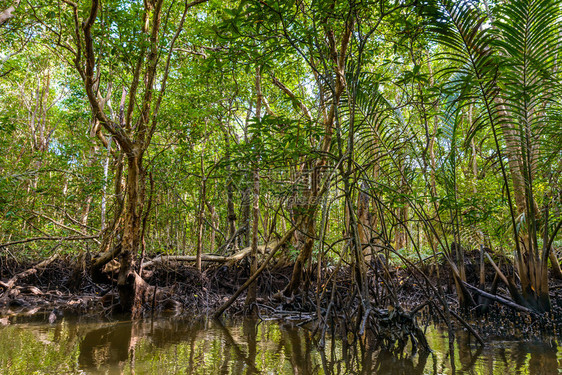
(7, 14)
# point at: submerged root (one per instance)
(394, 327)
(331, 303)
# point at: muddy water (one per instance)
(172, 346)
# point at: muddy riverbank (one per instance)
(65, 288)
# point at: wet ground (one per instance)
(176, 345)
(67, 288)
(58, 320)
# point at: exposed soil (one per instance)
(64, 287)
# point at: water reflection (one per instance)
(105, 346)
(208, 347)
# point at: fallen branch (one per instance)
(499, 299)
(9, 285)
(204, 257)
(193, 258)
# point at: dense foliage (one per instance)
(405, 128)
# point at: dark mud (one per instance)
(65, 288)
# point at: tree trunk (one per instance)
(230, 214)
(252, 292)
(401, 237)
(200, 226)
(337, 59)
(304, 254)
(364, 222)
(131, 289)
(103, 204)
(252, 289)
(555, 264)
(531, 263)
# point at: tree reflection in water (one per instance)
(247, 347)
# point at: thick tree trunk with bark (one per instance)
(130, 288)
(133, 130)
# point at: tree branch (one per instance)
(7, 14)
(293, 97)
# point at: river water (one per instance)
(180, 346)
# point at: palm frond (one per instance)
(528, 41)
(467, 43)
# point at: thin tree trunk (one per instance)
(338, 61)
(103, 204)
(202, 197)
(252, 290)
(231, 215)
(251, 296)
